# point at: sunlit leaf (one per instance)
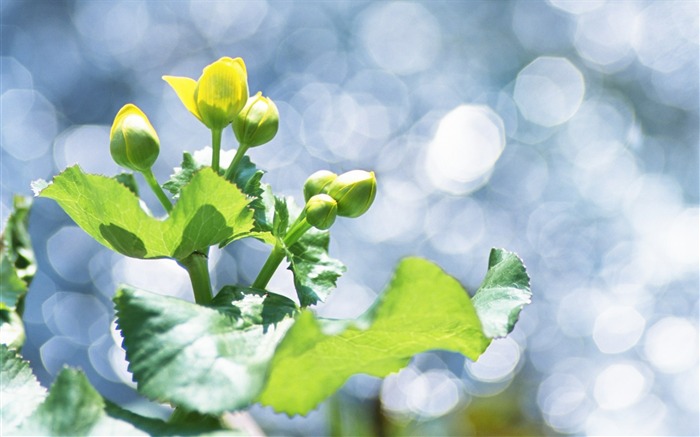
(205, 359)
(210, 210)
(20, 392)
(422, 309)
(502, 294)
(315, 272)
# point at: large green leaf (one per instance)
(502, 294)
(210, 210)
(204, 359)
(20, 392)
(423, 309)
(315, 273)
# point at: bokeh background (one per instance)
(566, 131)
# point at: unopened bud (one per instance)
(133, 142)
(258, 121)
(321, 211)
(317, 182)
(354, 191)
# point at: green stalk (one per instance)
(273, 261)
(216, 149)
(231, 170)
(197, 266)
(155, 186)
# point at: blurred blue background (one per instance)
(566, 131)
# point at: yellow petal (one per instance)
(185, 88)
(126, 110)
(222, 91)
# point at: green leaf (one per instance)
(198, 426)
(502, 294)
(17, 261)
(280, 217)
(208, 360)
(20, 392)
(129, 181)
(315, 273)
(422, 309)
(210, 210)
(183, 175)
(12, 288)
(17, 269)
(73, 407)
(247, 179)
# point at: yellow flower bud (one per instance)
(354, 191)
(257, 122)
(133, 142)
(321, 211)
(218, 95)
(317, 183)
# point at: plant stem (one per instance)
(231, 170)
(155, 186)
(197, 266)
(273, 261)
(216, 149)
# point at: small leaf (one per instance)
(208, 360)
(183, 175)
(38, 186)
(210, 210)
(247, 179)
(20, 392)
(129, 181)
(422, 309)
(502, 294)
(315, 273)
(280, 220)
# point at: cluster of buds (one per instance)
(328, 195)
(219, 98)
